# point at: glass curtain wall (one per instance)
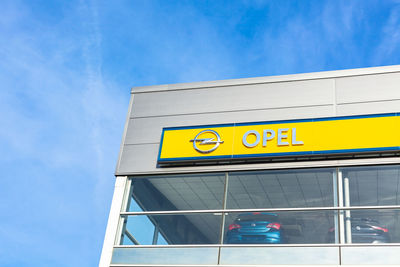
(207, 218)
(377, 187)
(303, 206)
(262, 207)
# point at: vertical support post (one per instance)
(113, 221)
(336, 204)
(223, 213)
(224, 206)
(340, 202)
(347, 216)
(122, 219)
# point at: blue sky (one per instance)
(67, 67)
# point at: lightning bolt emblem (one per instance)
(216, 141)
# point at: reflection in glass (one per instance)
(280, 189)
(309, 227)
(373, 186)
(172, 229)
(177, 192)
(144, 234)
(373, 226)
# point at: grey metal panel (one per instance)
(166, 256)
(234, 98)
(368, 107)
(279, 255)
(270, 79)
(371, 255)
(368, 88)
(148, 130)
(138, 158)
(125, 131)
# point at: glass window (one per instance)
(177, 229)
(229, 201)
(372, 185)
(301, 188)
(306, 227)
(372, 226)
(177, 192)
(280, 189)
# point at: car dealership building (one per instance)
(286, 170)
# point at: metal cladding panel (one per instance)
(367, 88)
(305, 256)
(138, 158)
(165, 256)
(368, 107)
(371, 255)
(235, 98)
(148, 130)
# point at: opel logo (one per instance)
(216, 140)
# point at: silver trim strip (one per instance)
(268, 79)
(262, 245)
(391, 207)
(341, 163)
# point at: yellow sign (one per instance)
(323, 136)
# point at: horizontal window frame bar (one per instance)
(179, 212)
(327, 163)
(208, 265)
(174, 265)
(187, 265)
(261, 245)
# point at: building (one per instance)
(289, 170)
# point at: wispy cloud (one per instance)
(62, 124)
(65, 72)
(389, 47)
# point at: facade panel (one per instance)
(139, 158)
(280, 256)
(367, 88)
(371, 256)
(368, 107)
(234, 98)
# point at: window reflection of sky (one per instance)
(175, 229)
(144, 229)
(141, 228)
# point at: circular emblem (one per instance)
(198, 141)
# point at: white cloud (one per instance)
(390, 38)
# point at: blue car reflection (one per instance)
(255, 228)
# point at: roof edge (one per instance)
(268, 79)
